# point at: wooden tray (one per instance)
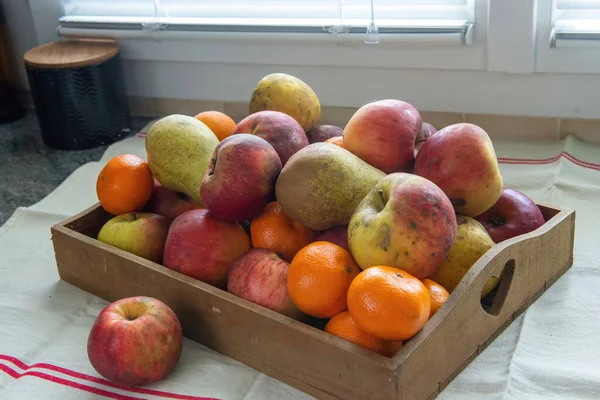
(307, 358)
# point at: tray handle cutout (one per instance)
(494, 301)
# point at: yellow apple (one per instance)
(143, 234)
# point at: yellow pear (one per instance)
(470, 243)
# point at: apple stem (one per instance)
(214, 165)
(497, 221)
(381, 196)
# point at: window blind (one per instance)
(576, 23)
(299, 16)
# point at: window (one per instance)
(438, 20)
(576, 23)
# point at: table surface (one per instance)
(549, 352)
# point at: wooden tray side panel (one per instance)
(301, 356)
(462, 329)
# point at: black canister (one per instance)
(79, 94)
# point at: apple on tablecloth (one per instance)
(135, 341)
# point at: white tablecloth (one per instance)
(551, 352)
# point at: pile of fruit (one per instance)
(367, 229)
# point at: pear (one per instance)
(322, 184)
(470, 243)
(179, 150)
(289, 95)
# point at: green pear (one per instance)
(179, 151)
(321, 185)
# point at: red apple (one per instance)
(427, 130)
(512, 215)
(204, 247)
(337, 235)
(135, 341)
(241, 177)
(260, 276)
(383, 134)
(461, 160)
(283, 132)
(168, 202)
(321, 133)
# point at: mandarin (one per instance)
(219, 123)
(319, 277)
(389, 303)
(343, 326)
(275, 231)
(125, 184)
(337, 140)
(438, 294)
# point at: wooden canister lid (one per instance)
(71, 53)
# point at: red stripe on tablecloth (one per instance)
(65, 382)
(101, 381)
(528, 161)
(582, 163)
(564, 154)
(9, 371)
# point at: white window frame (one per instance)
(551, 59)
(505, 71)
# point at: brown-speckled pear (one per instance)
(179, 151)
(471, 242)
(287, 94)
(405, 222)
(461, 160)
(321, 185)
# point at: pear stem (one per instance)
(381, 196)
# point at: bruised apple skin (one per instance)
(461, 160)
(405, 222)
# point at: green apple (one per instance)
(143, 234)
(406, 222)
